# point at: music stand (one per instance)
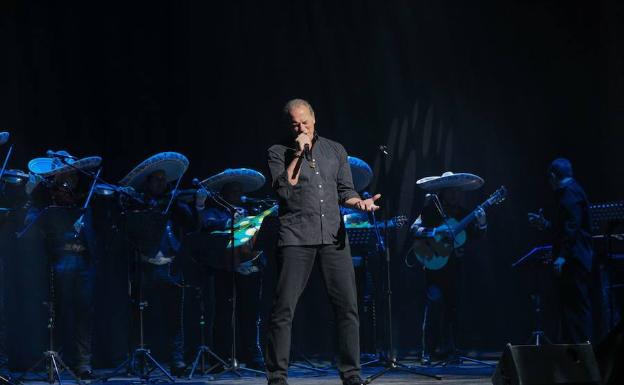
(536, 258)
(607, 219)
(55, 220)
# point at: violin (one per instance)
(109, 191)
(14, 177)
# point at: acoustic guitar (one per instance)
(433, 248)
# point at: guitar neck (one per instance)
(469, 218)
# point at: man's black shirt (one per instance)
(571, 227)
(309, 212)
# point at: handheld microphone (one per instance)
(59, 154)
(306, 151)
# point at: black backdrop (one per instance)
(495, 88)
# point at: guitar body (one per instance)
(433, 253)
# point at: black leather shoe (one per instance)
(353, 380)
(278, 381)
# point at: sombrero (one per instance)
(361, 172)
(172, 163)
(250, 180)
(46, 167)
(462, 181)
(4, 137)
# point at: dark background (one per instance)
(498, 88)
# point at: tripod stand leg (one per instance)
(377, 375)
(55, 359)
(54, 369)
(195, 363)
(417, 372)
(200, 353)
(474, 361)
(156, 364)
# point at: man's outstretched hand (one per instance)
(368, 204)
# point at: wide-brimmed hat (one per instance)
(361, 172)
(173, 164)
(462, 181)
(250, 180)
(46, 167)
(4, 137)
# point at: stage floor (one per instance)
(467, 373)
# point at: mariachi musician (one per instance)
(59, 182)
(442, 284)
(161, 273)
(231, 184)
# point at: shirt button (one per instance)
(322, 215)
(321, 201)
(317, 173)
(320, 186)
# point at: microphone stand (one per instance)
(389, 360)
(6, 161)
(233, 366)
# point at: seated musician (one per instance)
(71, 247)
(442, 285)
(162, 276)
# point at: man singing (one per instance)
(311, 177)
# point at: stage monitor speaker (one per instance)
(610, 356)
(546, 365)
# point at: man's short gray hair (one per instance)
(296, 103)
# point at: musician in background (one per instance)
(232, 184)
(572, 251)
(71, 247)
(162, 276)
(440, 318)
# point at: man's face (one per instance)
(66, 181)
(65, 185)
(157, 183)
(232, 193)
(451, 195)
(302, 121)
(553, 181)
